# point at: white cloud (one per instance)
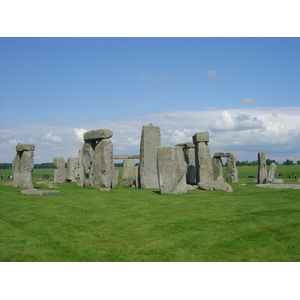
(79, 132)
(211, 74)
(53, 138)
(164, 78)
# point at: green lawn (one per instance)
(125, 224)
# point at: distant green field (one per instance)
(83, 224)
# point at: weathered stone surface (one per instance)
(150, 142)
(116, 177)
(33, 191)
(25, 147)
(171, 170)
(71, 168)
(97, 135)
(22, 167)
(279, 186)
(217, 169)
(190, 187)
(271, 173)
(277, 181)
(262, 168)
(49, 184)
(189, 156)
(104, 189)
(103, 164)
(204, 170)
(60, 171)
(137, 177)
(79, 170)
(186, 145)
(231, 170)
(215, 186)
(201, 137)
(87, 162)
(129, 173)
(8, 184)
(223, 154)
(126, 156)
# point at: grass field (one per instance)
(125, 224)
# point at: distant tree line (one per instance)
(254, 163)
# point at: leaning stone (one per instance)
(215, 186)
(97, 135)
(171, 170)
(201, 137)
(25, 147)
(34, 191)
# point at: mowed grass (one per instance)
(125, 224)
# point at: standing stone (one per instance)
(71, 169)
(129, 173)
(217, 169)
(189, 155)
(150, 142)
(262, 168)
(271, 173)
(23, 165)
(137, 177)
(231, 170)
(204, 170)
(79, 170)
(172, 170)
(116, 177)
(60, 170)
(103, 164)
(87, 162)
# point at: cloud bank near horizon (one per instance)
(274, 130)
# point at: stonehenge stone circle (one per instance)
(204, 170)
(262, 168)
(22, 166)
(150, 142)
(60, 170)
(171, 170)
(97, 135)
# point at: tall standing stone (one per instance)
(79, 170)
(150, 142)
(204, 170)
(172, 170)
(87, 163)
(60, 170)
(23, 165)
(103, 164)
(262, 168)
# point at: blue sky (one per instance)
(244, 91)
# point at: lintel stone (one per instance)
(201, 137)
(223, 154)
(25, 147)
(97, 135)
(126, 156)
(186, 145)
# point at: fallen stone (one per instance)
(277, 181)
(104, 189)
(243, 184)
(280, 186)
(49, 184)
(190, 187)
(97, 135)
(215, 186)
(8, 184)
(39, 192)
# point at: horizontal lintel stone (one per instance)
(201, 137)
(25, 147)
(223, 154)
(186, 145)
(126, 156)
(97, 135)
